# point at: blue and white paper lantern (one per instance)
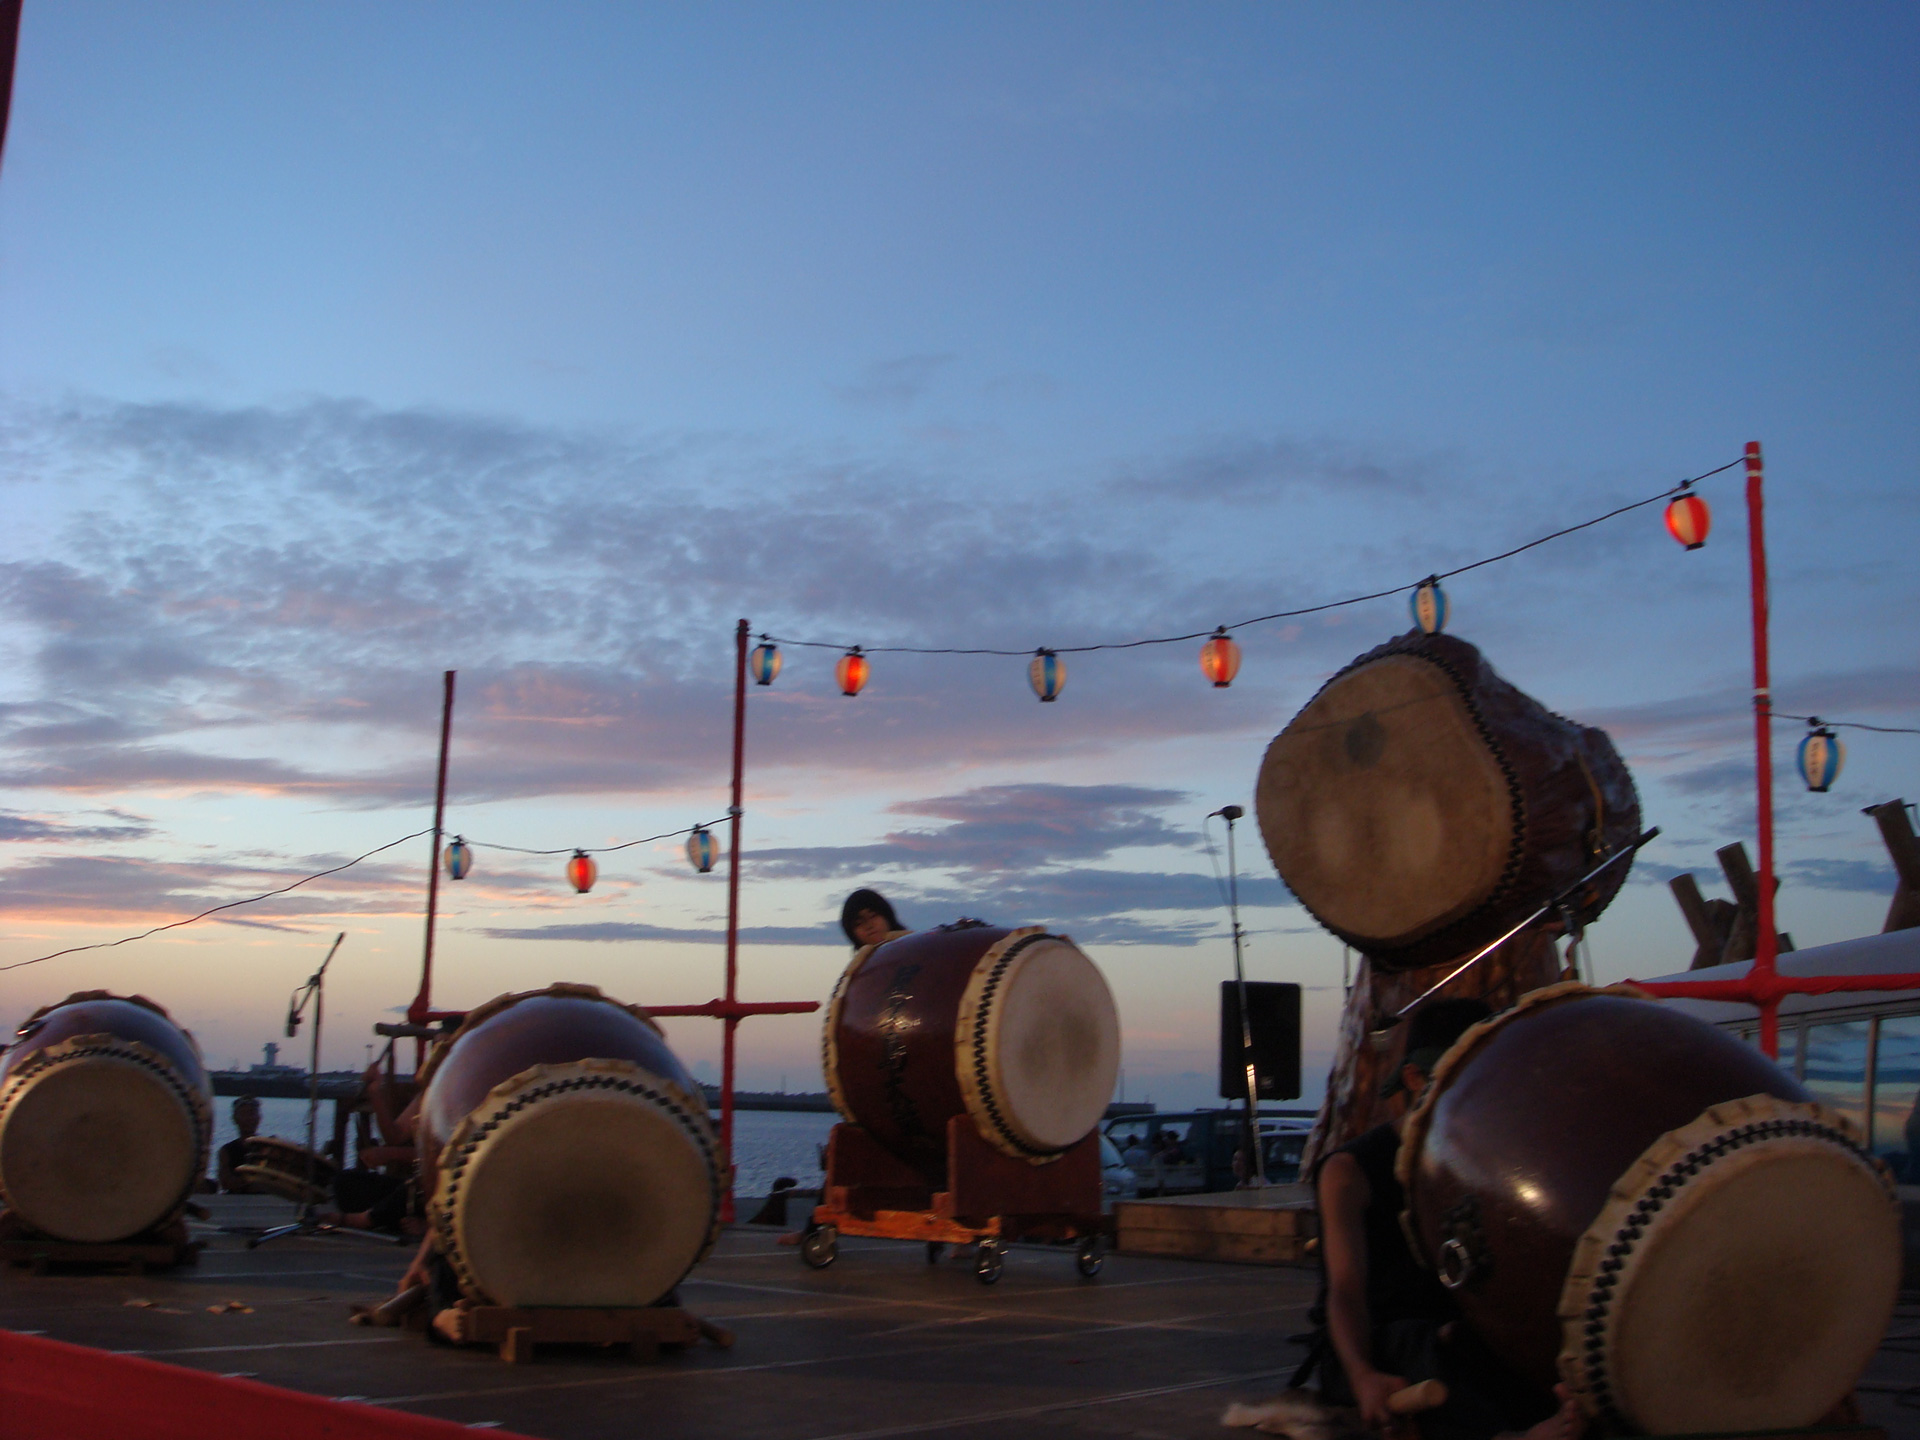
(701, 849)
(459, 858)
(1047, 673)
(764, 662)
(1429, 605)
(1821, 756)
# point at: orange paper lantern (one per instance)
(1688, 520)
(582, 871)
(1220, 659)
(852, 672)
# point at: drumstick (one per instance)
(1427, 1395)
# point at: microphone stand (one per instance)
(308, 1223)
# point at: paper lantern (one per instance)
(459, 858)
(764, 662)
(1047, 673)
(582, 871)
(700, 847)
(1688, 520)
(1429, 605)
(1220, 659)
(852, 672)
(1821, 756)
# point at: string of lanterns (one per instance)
(581, 868)
(1687, 516)
(1687, 519)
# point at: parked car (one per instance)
(1117, 1180)
(1192, 1151)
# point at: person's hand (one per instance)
(1566, 1423)
(1371, 1391)
(417, 1272)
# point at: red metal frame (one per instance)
(1763, 985)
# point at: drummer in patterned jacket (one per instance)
(1385, 1321)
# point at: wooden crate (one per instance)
(1274, 1226)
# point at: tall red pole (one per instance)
(1766, 944)
(731, 1020)
(417, 1013)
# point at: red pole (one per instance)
(1766, 944)
(731, 1021)
(417, 1012)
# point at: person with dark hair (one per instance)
(868, 919)
(233, 1154)
(1384, 1321)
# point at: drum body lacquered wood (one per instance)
(1419, 805)
(1015, 1029)
(1626, 1198)
(568, 1153)
(105, 1119)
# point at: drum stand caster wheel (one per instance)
(935, 1249)
(1089, 1259)
(988, 1262)
(820, 1246)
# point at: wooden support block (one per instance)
(516, 1330)
(517, 1348)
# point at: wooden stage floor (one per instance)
(881, 1344)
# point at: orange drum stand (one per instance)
(990, 1200)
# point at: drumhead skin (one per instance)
(1419, 805)
(570, 1154)
(1608, 1186)
(585, 1184)
(1015, 1029)
(1741, 1276)
(105, 1120)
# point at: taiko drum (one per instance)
(105, 1119)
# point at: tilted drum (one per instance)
(568, 1153)
(1419, 805)
(276, 1166)
(1015, 1029)
(1623, 1197)
(105, 1119)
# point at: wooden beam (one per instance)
(1896, 829)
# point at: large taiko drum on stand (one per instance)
(1419, 805)
(1623, 1197)
(105, 1119)
(568, 1153)
(1015, 1029)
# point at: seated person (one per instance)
(371, 1197)
(1137, 1155)
(1385, 1321)
(233, 1154)
(867, 919)
(774, 1210)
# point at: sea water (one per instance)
(766, 1143)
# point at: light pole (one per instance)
(1231, 813)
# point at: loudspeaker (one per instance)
(1274, 1009)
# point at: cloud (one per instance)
(1241, 469)
(1874, 877)
(894, 384)
(996, 828)
(18, 827)
(610, 932)
(93, 888)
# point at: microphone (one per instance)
(1228, 812)
(293, 1022)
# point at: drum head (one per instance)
(569, 1189)
(1757, 1255)
(97, 1149)
(1038, 1044)
(1384, 808)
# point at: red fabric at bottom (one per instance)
(50, 1390)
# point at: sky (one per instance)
(342, 345)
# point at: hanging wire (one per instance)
(1276, 615)
(1847, 724)
(602, 849)
(308, 880)
(230, 905)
